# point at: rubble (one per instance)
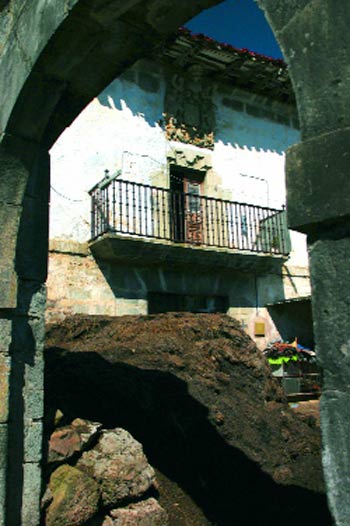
(200, 397)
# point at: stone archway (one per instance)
(55, 57)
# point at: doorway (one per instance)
(186, 205)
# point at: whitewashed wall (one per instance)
(120, 130)
(111, 133)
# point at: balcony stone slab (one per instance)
(145, 251)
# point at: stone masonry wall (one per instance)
(78, 284)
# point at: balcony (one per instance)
(137, 222)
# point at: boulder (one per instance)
(75, 497)
(64, 442)
(118, 464)
(86, 430)
(145, 513)
(68, 440)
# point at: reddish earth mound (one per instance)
(199, 395)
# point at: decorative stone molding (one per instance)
(189, 109)
(190, 158)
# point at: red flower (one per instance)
(218, 45)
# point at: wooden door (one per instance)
(193, 211)
(186, 216)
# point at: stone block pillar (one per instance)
(329, 259)
(315, 41)
(24, 176)
(319, 205)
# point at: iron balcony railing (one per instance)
(129, 208)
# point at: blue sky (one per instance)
(240, 23)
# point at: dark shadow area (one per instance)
(185, 287)
(157, 409)
(165, 302)
(294, 319)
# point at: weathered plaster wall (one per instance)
(250, 146)
(120, 129)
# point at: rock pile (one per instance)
(199, 396)
(99, 477)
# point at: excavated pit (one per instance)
(199, 396)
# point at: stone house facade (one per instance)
(185, 153)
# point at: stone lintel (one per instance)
(318, 182)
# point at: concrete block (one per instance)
(31, 298)
(3, 445)
(8, 287)
(31, 494)
(318, 181)
(330, 279)
(32, 441)
(34, 372)
(5, 369)
(5, 335)
(33, 390)
(2, 495)
(28, 337)
(33, 402)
